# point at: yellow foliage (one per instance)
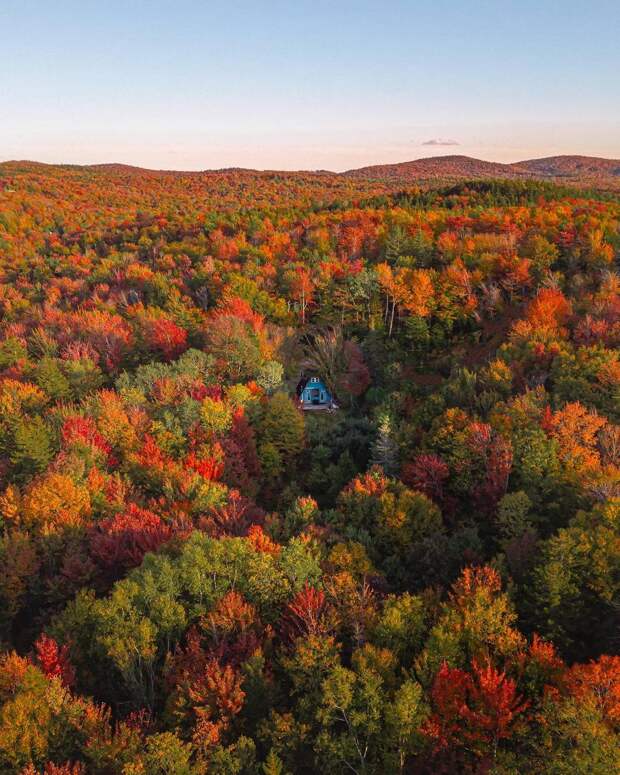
(415, 291)
(16, 397)
(55, 501)
(113, 422)
(10, 504)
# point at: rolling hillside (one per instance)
(439, 167)
(590, 167)
(575, 169)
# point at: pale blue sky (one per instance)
(306, 85)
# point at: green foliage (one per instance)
(165, 753)
(282, 426)
(574, 738)
(577, 580)
(31, 448)
(50, 378)
(512, 514)
(12, 352)
(270, 376)
(402, 626)
(147, 613)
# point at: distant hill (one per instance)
(439, 167)
(572, 166)
(573, 169)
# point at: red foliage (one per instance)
(493, 703)
(498, 467)
(217, 697)
(549, 310)
(601, 680)
(107, 336)
(234, 518)
(67, 768)
(235, 630)
(449, 695)
(211, 689)
(494, 454)
(305, 615)
(371, 484)
(54, 661)
(261, 541)
(540, 669)
(471, 580)
(233, 306)
(472, 709)
(151, 456)
(210, 468)
(428, 474)
(123, 540)
(166, 337)
(83, 430)
(241, 464)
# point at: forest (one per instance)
(196, 576)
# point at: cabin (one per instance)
(312, 394)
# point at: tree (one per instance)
(572, 737)
(120, 542)
(50, 378)
(282, 426)
(301, 289)
(166, 337)
(163, 753)
(476, 623)
(576, 581)
(216, 698)
(600, 681)
(54, 661)
(54, 502)
(549, 310)
(388, 518)
(339, 362)
(307, 615)
(384, 449)
(273, 764)
(32, 447)
(270, 376)
(473, 711)
(428, 474)
(20, 566)
(405, 717)
(235, 346)
(350, 715)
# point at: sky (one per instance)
(306, 85)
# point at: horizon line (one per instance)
(232, 168)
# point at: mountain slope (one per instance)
(571, 166)
(574, 169)
(440, 167)
(578, 170)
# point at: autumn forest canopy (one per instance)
(199, 577)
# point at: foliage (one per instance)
(197, 576)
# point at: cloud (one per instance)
(439, 141)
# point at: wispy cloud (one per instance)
(440, 141)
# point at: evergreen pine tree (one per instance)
(32, 447)
(273, 765)
(384, 451)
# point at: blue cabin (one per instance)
(313, 394)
